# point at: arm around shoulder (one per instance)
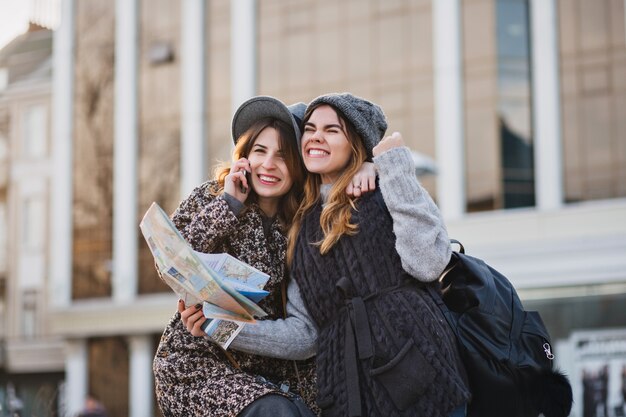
(421, 235)
(293, 338)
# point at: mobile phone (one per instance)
(241, 187)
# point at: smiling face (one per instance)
(270, 175)
(326, 149)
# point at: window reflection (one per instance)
(592, 48)
(515, 125)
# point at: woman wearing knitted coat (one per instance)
(246, 216)
(383, 346)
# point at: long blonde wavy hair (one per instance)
(336, 214)
(289, 203)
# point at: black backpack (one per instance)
(506, 350)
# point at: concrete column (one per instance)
(141, 383)
(546, 105)
(193, 93)
(125, 152)
(76, 375)
(449, 116)
(243, 51)
(60, 289)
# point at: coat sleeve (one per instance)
(204, 220)
(293, 338)
(421, 236)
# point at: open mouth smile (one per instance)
(317, 153)
(268, 179)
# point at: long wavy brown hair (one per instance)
(336, 214)
(289, 203)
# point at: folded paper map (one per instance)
(227, 287)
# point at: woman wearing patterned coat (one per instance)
(245, 214)
(193, 376)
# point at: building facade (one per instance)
(518, 101)
(32, 357)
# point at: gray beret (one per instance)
(260, 107)
(367, 118)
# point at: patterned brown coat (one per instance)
(193, 377)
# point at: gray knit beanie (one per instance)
(367, 118)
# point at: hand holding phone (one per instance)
(236, 183)
(242, 188)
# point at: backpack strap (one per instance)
(461, 247)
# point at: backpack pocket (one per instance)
(406, 376)
(534, 348)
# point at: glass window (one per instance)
(33, 223)
(29, 314)
(498, 124)
(4, 78)
(592, 67)
(514, 120)
(35, 131)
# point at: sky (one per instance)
(14, 16)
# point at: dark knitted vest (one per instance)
(384, 348)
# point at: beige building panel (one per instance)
(271, 64)
(217, 60)
(391, 42)
(478, 20)
(218, 74)
(159, 87)
(420, 40)
(593, 58)
(593, 77)
(358, 10)
(618, 73)
(481, 86)
(393, 98)
(218, 24)
(93, 17)
(421, 4)
(568, 33)
(218, 21)
(482, 153)
(298, 66)
(595, 80)
(569, 79)
(421, 98)
(392, 7)
(159, 101)
(218, 128)
(296, 18)
(271, 19)
(162, 15)
(617, 23)
(620, 151)
(358, 51)
(593, 27)
(328, 52)
(328, 14)
(419, 133)
(596, 127)
(571, 150)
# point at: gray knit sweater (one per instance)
(421, 241)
